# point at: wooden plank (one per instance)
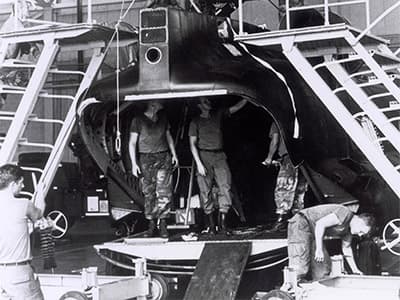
(218, 271)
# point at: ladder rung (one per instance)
(17, 63)
(32, 169)
(359, 114)
(389, 109)
(338, 90)
(361, 73)
(7, 113)
(384, 59)
(55, 96)
(9, 116)
(385, 68)
(32, 144)
(2, 138)
(382, 139)
(338, 61)
(10, 89)
(67, 72)
(394, 119)
(369, 83)
(13, 63)
(42, 120)
(381, 95)
(25, 193)
(361, 85)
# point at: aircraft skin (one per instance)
(194, 58)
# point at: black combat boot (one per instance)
(222, 223)
(281, 223)
(211, 224)
(150, 232)
(163, 229)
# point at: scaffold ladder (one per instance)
(377, 61)
(77, 37)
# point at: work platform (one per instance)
(259, 256)
(84, 35)
(312, 41)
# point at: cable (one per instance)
(274, 5)
(127, 10)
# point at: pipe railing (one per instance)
(326, 5)
(19, 15)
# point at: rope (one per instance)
(127, 10)
(118, 137)
(116, 35)
(274, 5)
(195, 6)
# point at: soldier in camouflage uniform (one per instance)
(206, 145)
(152, 153)
(290, 183)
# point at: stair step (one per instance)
(385, 59)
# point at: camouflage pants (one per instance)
(216, 169)
(156, 179)
(301, 250)
(290, 188)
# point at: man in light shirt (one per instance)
(17, 278)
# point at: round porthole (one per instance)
(153, 55)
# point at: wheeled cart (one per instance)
(89, 285)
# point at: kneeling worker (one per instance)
(306, 231)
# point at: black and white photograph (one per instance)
(199, 149)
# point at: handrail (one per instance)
(377, 20)
(17, 12)
(326, 5)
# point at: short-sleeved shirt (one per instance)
(209, 130)
(313, 214)
(281, 146)
(14, 233)
(152, 134)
